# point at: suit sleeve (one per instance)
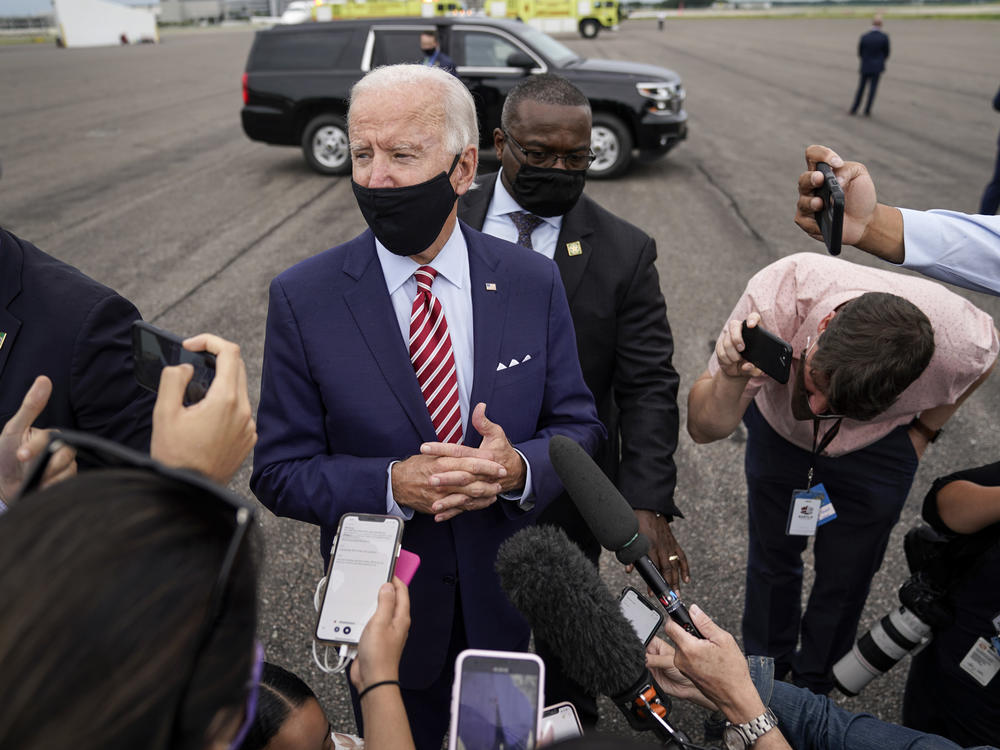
(567, 407)
(294, 473)
(645, 388)
(106, 399)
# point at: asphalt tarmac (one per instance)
(131, 164)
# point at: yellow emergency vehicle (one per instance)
(332, 10)
(551, 16)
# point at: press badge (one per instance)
(982, 662)
(803, 516)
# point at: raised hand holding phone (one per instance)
(831, 216)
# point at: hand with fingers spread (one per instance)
(20, 443)
(216, 434)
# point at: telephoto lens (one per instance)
(880, 649)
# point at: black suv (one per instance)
(298, 77)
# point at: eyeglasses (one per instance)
(253, 691)
(805, 354)
(577, 160)
(98, 452)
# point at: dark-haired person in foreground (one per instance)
(881, 361)
(608, 267)
(713, 673)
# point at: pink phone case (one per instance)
(406, 565)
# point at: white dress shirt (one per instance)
(499, 224)
(962, 249)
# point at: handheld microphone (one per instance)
(612, 521)
(560, 592)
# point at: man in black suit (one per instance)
(58, 322)
(873, 49)
(623, 337)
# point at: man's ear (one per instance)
(465, 171)
(498, 142)
(826, 321)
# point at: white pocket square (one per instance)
(513, 363)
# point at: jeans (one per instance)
(814, 722)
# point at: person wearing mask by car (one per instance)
(430, 46)
(608, 268)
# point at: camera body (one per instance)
(925, 608)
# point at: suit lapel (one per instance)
(474, 204)
(373, 313)
(490, 296)
(11, 262)
(574, 235)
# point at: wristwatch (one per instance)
(742, 736)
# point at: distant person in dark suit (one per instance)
(991, 196)
(873, 49)
(608, 267)
(58, 322)
(430, 45)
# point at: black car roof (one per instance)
(503, 23)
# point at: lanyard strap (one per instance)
(821, 446)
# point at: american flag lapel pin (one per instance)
(490, 286)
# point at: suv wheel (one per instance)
(325, 145)
(611, 141)
(589, 28)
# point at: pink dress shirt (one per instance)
(795, 293)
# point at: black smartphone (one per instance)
(363, 558)
(768, 352)
(638, 610)
(831, 217)
(153, 349)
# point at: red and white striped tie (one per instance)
(433, 359)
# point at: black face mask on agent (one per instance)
(408, 219)
(547, 191)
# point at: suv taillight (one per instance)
(246, 94)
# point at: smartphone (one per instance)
(496, 700)
(563, 721)
(831, 217)
(153, 349)
(768, 352)
(638, 610)
(363, 558)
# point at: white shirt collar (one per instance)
(451, 263)
(503, 203)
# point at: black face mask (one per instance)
(548, 191)
(408, 219)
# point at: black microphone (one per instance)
(612, 521)
(561, 595)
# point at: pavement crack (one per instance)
(240, 253)
(735, 204)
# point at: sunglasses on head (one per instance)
(100, 453)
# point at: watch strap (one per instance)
(924, 430)
(757, 727)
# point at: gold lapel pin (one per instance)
(573, 248)
(490, 286)
(3, 335)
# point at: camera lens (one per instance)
(880, 649)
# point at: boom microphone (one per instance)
(559, 591)
(612, 521)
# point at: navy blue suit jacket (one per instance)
(873, 49)
(339, 401)
(61, 323)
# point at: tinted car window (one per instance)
(312, 50)
(394, 46)
(483, 50)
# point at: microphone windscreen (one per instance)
(561, 595)
(608, 515)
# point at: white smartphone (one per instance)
(563, 721)
(363, 558)
(645, 618)
(496, 698)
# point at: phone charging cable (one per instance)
(346, 653)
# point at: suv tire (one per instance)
(589, 28)
(611, 141)
(325, 145)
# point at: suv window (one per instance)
(483, 50)
(394, 46)
(311, 50)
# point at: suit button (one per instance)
(449, 580)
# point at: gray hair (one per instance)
(458, 110)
